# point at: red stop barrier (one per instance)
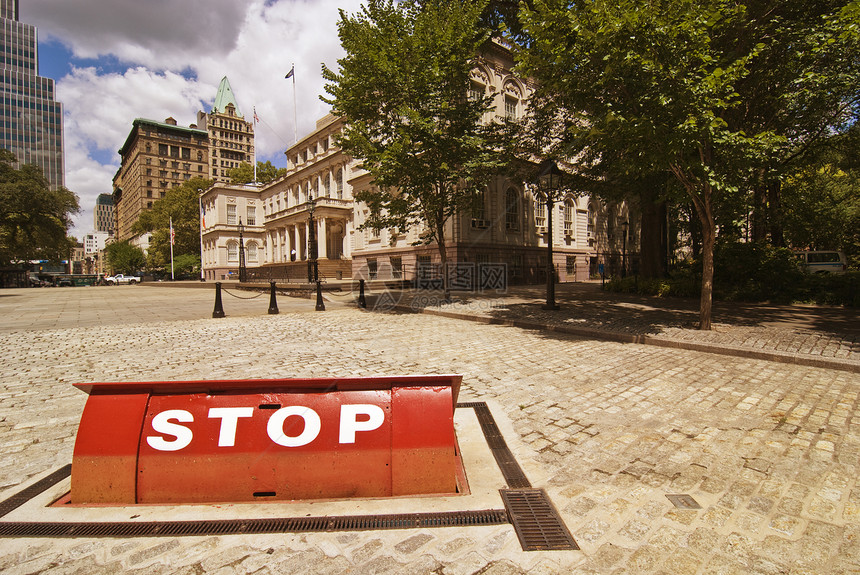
(277, 439)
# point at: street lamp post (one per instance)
(313, 260)
(549, 182)
(243, 272)
(624, 225)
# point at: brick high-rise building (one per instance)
(31, 121)
(156, 156)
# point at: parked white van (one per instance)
(817, 262)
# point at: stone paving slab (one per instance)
(769, 450)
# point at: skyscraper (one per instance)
(31, 122)
(103, 219)
(231, 138)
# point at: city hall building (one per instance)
(505, 233)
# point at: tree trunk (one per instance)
(758, 219)
(774, 204)
(652, 248)
(443, 254)
(701, 194)
(709, 235)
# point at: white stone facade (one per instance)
(507, 228)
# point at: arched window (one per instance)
(252, 251)
(568, 217)
(591, 221)
(327, 184)
(540, 210)
(338, 182)
(479, 208)
(512, 210)
(232, 251)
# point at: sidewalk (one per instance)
(816, 336)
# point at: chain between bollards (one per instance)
(219, 308)
(273, 302)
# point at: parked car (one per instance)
(822, 261)
(119, 279)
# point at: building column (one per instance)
(322, 240)
(274, 241)
(296, 243)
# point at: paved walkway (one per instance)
(770, 450)
(807, 335)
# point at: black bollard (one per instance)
(320, 305)
(361, 301)
(219, 309)
(273, 302)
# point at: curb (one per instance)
(847, 365)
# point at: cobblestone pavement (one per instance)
(812, 335)
(771, 451)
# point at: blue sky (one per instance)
(117, 60)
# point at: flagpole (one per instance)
(202, 221)
(171, 249)
(254, 157)
(295, 114)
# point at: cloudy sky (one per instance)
(117, 60)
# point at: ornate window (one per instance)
(512, 210)
(252, 251)
(568, 217)
(252, 216)
(232, 251)
(511, 105)
(327, 185)
(476, 92)
(540, 210)
(338, 182)
(591, 222)
(231, 214)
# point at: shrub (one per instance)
(755, 272)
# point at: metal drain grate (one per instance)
(537, 523)
(28, 493)
(511, 470)
(683, 501)
(251, 526)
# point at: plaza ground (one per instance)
(769, 448)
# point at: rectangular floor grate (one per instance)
(251, 526)
(28, 493)
(537, 523)
(511, 470)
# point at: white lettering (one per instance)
(229, 420)
(349, 423)
(275, 427)
(161, 424)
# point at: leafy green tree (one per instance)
(822, 209)
(182, 205)
(34, 219)
(186, 265)
(657, 86)
(124, 258)
(402, 88)
(266, 172)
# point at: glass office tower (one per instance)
(31, 122)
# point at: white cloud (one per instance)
(160, 34)
(177, 53)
